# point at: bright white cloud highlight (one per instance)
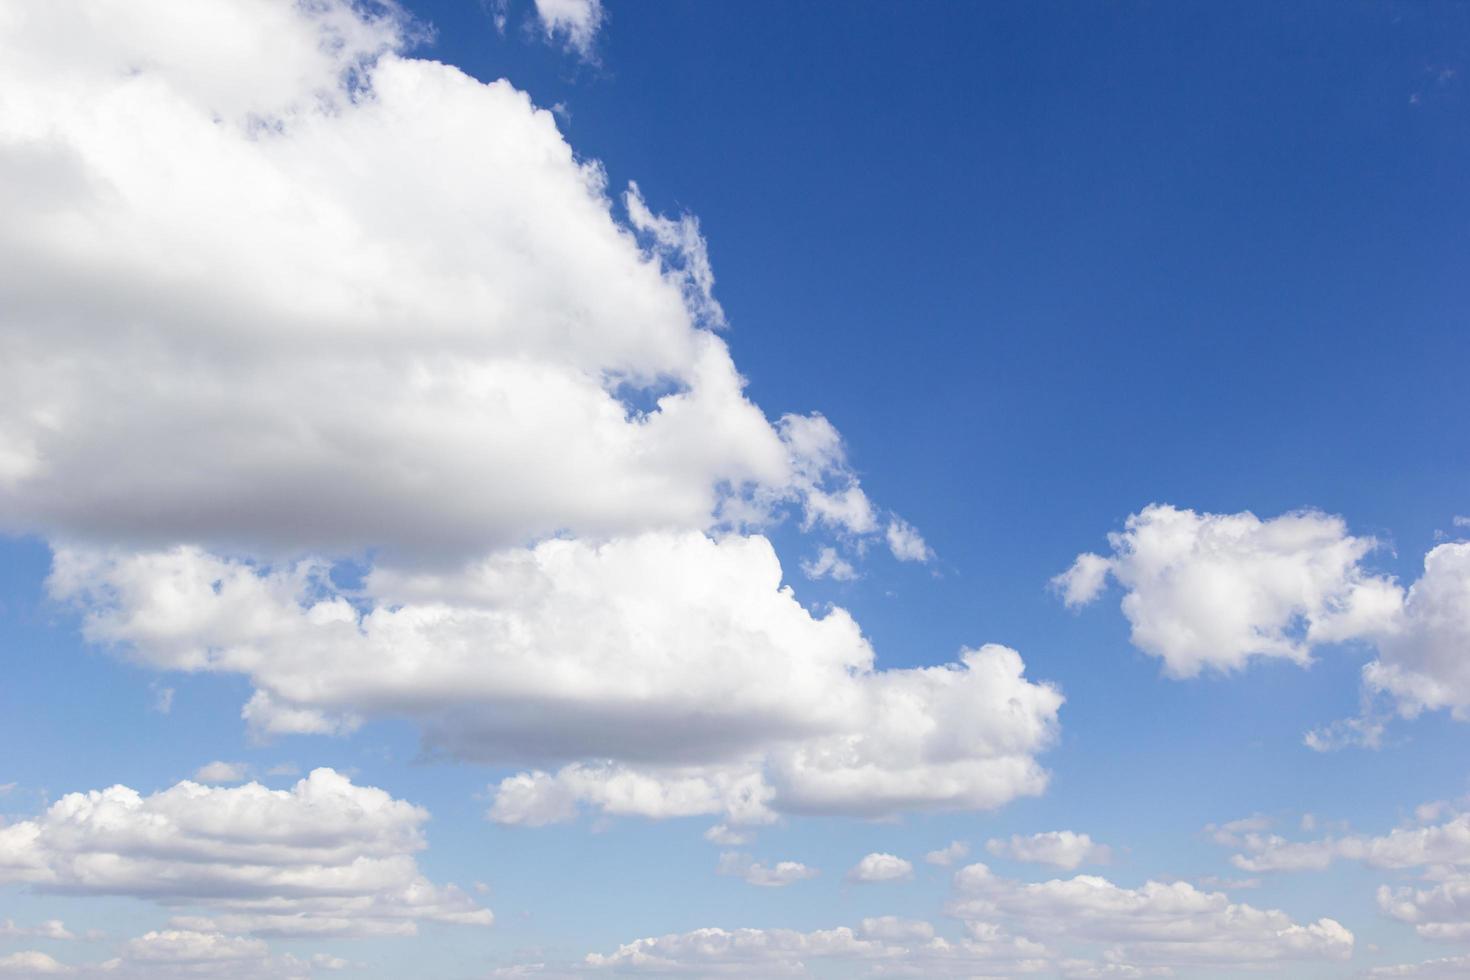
(1059, 848)
(323, 858)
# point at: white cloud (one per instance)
(1058, 848)
(778, 875)
(50, 929)
(1156, 923)
(726, 836)
(217, 360)
(1440, 910)
(882, 946)
(1084, 581)
(1214, 590)
(905, 541)
(892, 928)
(953, 851)
(574, 23)
(668, 653)
(880, 867)
(418, 361)
(1435, 845)
(323, 858)
(31, 963)
(181, 953)
(222, 772)
(829, 564)
(1421, 654)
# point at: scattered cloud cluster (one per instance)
(1439, 909)
(1158, 924)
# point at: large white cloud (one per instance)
(677, 663)
(272, 288)
(1172, 924)
(326, 857)
(262, 290)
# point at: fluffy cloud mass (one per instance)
(368, 308)
(677, 660)
(1213, 591)
(323, 858)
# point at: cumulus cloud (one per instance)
(326, 857)
(418, 361)
(1161, 924)
(1215, 590)
(1058, 848)
(679, 656)
(778, 875)
(574, 23)
(1421, 653)
(880, 867)
(512, 401)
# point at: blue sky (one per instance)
(357, 414)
